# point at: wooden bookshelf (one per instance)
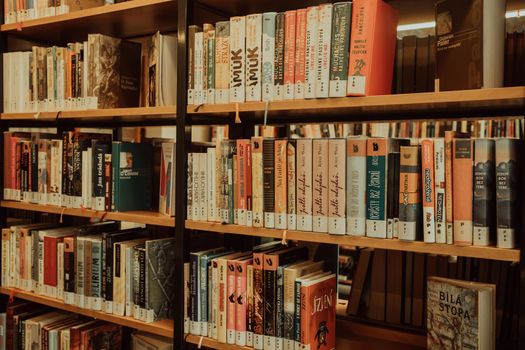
(492, 253)
(141, 217)
(115, 114)
(448, 105)
(163, 327)
(213, 344)
(126, 19)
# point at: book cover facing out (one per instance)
(132, 176)
(160, 278)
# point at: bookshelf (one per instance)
(163, 328)
(141, 17)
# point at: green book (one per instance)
(376, 168)
(132, 165)
(341, 22)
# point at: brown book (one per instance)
(422, 47)
(394, 286)
(359, 281)
(191, 60)
(418, 293)
(398, 68)
(431, 64)
(409, 64)
(376, 309)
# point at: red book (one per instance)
(75, 333)
(51, 238)
(289, 54)
(318, 303)
(372, 48)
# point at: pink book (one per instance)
(300, 52)
(12, 165)
(241, 307)
(231, 303)
(289, 54)
(248, 183)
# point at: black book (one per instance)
(484, 195)
(269, 182)
(422, 46)
(409, 64)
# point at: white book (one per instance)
(198, 95)
(237, 58)
(324, 38)
(214, 299)
(203, 195)
(337, 186)
(60, 270)
(189, 185)
(253, 57)
(310, 79)
(268, 49)
(439, 176)
(211, 184)
(304, 184)
(196, 187)
(356, 186)
(320, 185)
(291, 185)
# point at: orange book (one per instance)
(289, 54)
(449, 138)
(462, 190)
(281, 194)
(427, 177)
(300, 52)
(372, 48)
(318, 303)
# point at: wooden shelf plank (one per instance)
(163, 327)
(143, 217)
(428, 105)
(138, 113)
(125, 19)
(213, 344)
(492, 253)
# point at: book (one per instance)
(371, 64)
(462, 190)
(162, 58)
(356, 186)
(440, 188)
(167, 179)
(376, 168)
(290, 25)
(449, 200)
(300, 53)
(466, 308)
(320, 182)
(428, 190)
(268, 49)
(253, 57)
(279, 53)
(337, 186)
(311, 60)
(304, 184)
(237, 58)
(222, 61)
(269, 182)
(291, 171)
(324, 36)
(410, 222)
(341, 23)
(281, 177)
(484, 191)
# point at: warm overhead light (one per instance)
(432, 24)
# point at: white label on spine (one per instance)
(376, 228)
(356, 85)
(506, 238)
(281, 221)
(269, 220)
(407, 231)
(292, 221)
(481, 236)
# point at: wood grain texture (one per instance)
(492, 253)
(163, 327)
(142, 217)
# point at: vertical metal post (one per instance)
(184, 10)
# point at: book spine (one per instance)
(250, 306)
(88, 269)
(34, 170)
(449, 146)
(270, 300)
(211, 184)
(203, 195)
(69, 270)
(300, 53)
(483, 192)
(337, 186)
(259, 300)
(206, 28)
(281, 197)
(297, 318)
(278, 74)
(198, 76)
(196, 186)
(360, 48)
(253, 57)
(223, 300)
(304, 184)
(323, 50)
(192, 30)
(342, 18)
(462, 191)
(195, 328)
(79, 278)
(268, 49)
(190, 184)
(210, 64)
(269, 182)
(428, 187)
(222, 62)
(5, 257)
(376, 188)
(241, 302)
(439, 175)
(409, 193)
(248, 183)
(289, 53)
(231, 193)
(118, 280)
(224, 182)
(214, 299)
(291, 184)
(98, 177)
(96, 275)
(507, 190)
(232, 299)
(241, 184)
(60, 271)
(257, 181)
(237, 58)
(310, 79)
(50, 266)
(279, 311)
(203, 294)
(320, 185)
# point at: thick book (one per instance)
(132, 176)
(237, 58)
(466, 310)
(462, 163)
(507, 189)
(304, 184)
(484, 193)
(470, 44)
(341, 23)
(356, 186)
(253, 57)
(337, 186)
(372, 48)
(410, 209)
(320, 182)
(427, 178)
(376, 187)
(268, 49)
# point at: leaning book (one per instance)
(460, 314)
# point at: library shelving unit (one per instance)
(143, 17)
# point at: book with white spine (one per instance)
(324, 39)
(337, 186)
(439, 176)
(310, 79)
(222, 62)
(304, 184)
(211, 184)
(268, 48)
(253, 57)
(320, 185)
(237, 58)
(356, 186)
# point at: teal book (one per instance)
(376, 168)
(132, 165)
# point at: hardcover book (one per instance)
(290, 24)
(341, 22)
(462, 190)
(324, 36)
(439, 179)
(278, 73)
(410, 224)
(310, 78)
(376, 187)
(253, 57)
(269, 182)
(461, 315)
(167, 179)
(222, 62)
(268, 49)
(281, 196)
(291, 184)
(484, 192)
(337, 186)
(449, 201)
(356, 186)
(427, 177)
(304, 185)
(257, 181)
(237, 58)
(320, 183)
(300, 53)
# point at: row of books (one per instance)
(78, 170)
(270, 298)
(101, 72)
(454, 190)
(27, 325)
(319, 51)
(20, 11)
(96, 267)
